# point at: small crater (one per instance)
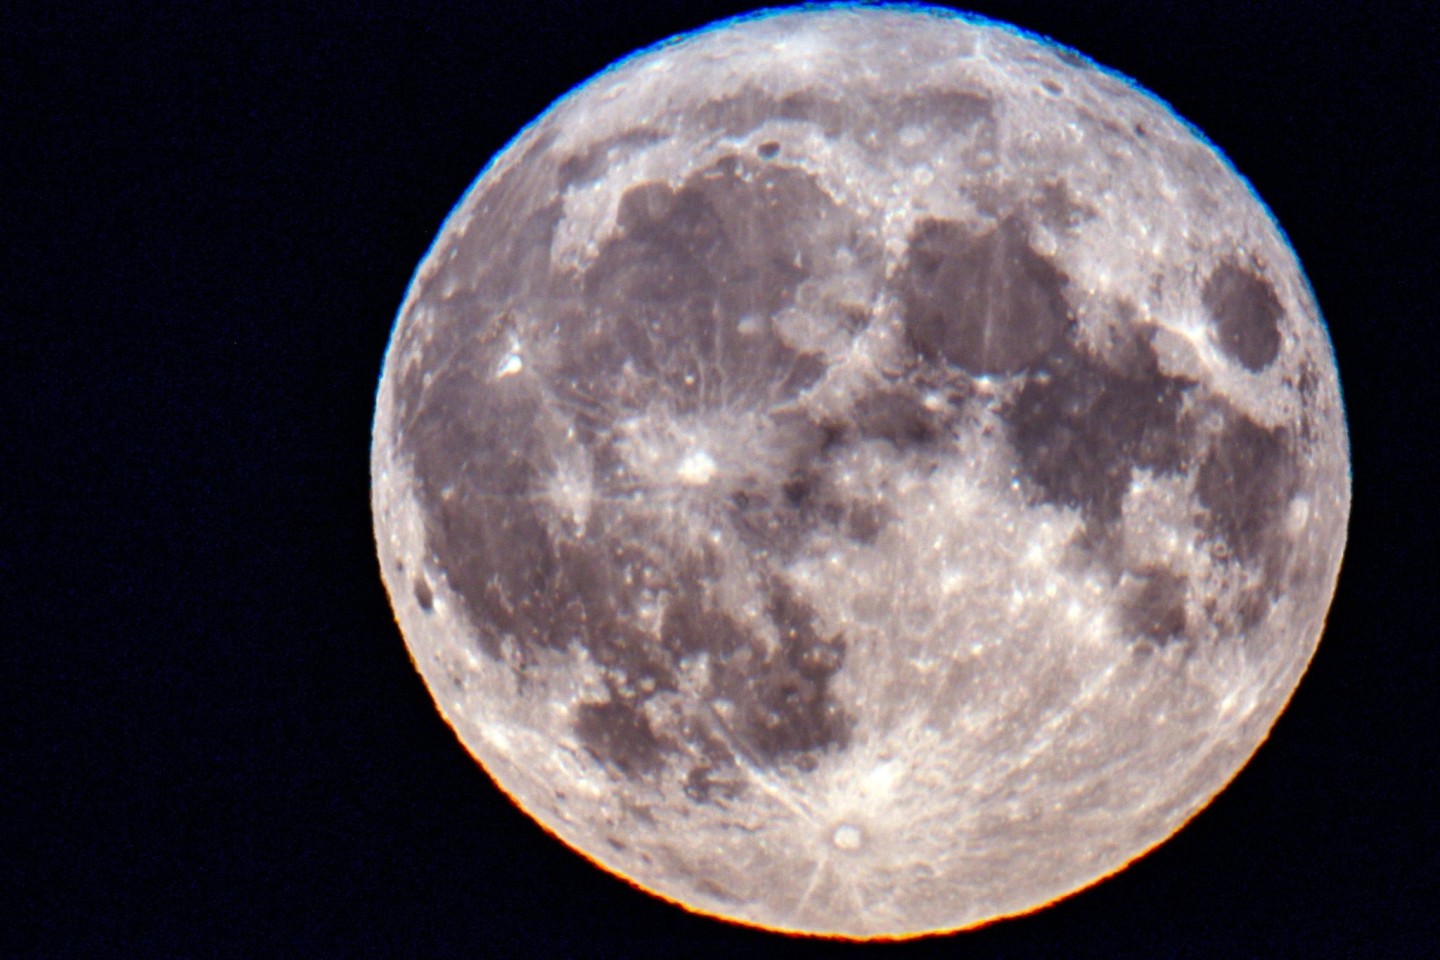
(1246, 313)
(805, 371)
(712, 889)
(848, 837)
(853, 317)
(1052, 88)
(423, 594)
(768, 150)
(645, 205)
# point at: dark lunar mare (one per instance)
(1249, 474)
(521, 582)
(675, 311)
(983, 303)
(1245, 483)
(678, 305)
(1080, 428)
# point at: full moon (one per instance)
(860, 472)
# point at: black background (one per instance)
(214, 742)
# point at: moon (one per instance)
(860, 472)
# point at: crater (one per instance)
(1056, 207)
(712, 889)
(423, 594)
(848, 837)
(1246, 313)
(984, 302)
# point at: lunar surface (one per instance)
(860, 472)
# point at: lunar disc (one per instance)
(860, 471)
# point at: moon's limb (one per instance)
(860, 472)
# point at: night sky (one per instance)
(214, 743)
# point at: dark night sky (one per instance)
(214, 742)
